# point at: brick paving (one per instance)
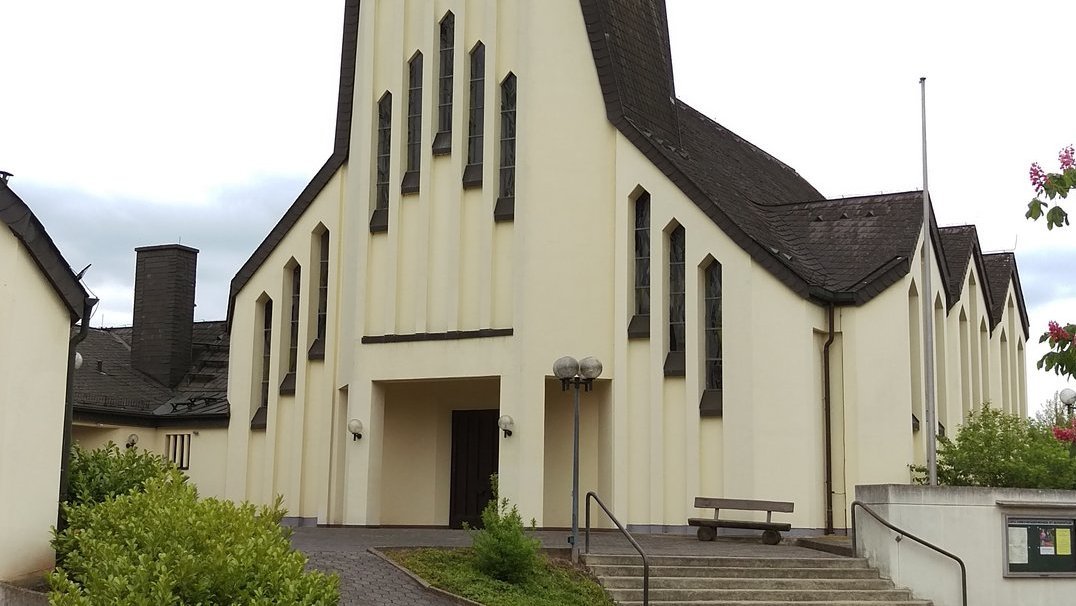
(367, 580)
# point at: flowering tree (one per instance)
(1052, 185)
(1061, 358)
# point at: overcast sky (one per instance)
(131, 123)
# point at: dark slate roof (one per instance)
(1000, 271)
(28, 229)
(961, 244)
(107, 385)
(341, 147)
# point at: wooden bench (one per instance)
(771, 531)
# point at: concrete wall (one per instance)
(967, 522)
(35, 329)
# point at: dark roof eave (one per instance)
(136, 419)
(26, 227)
(341, 147)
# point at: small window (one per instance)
(472, 174)
(288, 385)
(442, 143)
(674, 362)
(177, 449)
(639, 327)
(505, 210)
(267, 348)
(414, 125)
(379, 222)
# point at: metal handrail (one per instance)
(627, 535)
(963, 569)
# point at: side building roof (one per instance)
(22, 222)
(109, 389)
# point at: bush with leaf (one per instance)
(109, 472)
(165, 546)
(502, 549)
(997, 449)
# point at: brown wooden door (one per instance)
(474, 459)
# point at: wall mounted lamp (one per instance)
(131, 440)
(355, 427)
(506, 424)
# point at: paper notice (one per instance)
(1017, 545)
(1064, 541)
(1046, 541)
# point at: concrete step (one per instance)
(759, 595)
(780, 603)
(720, 561)
(690, 582)
(636, 570)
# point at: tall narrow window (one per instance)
(674, 363)
(472, 175)
(505, 209)
(287, 386)
(414, 125)
(380, 220)
(317, 350)
(711, 399)
(267, 348)
(639, 326)
(442, 143)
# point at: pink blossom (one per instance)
(1066, 434)
(1067, 157)
(1038, 176)
(1057, 333)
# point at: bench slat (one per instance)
(783, 527)
(744, 504)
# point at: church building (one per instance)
(516, 181)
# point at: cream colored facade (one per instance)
(35, 328)
(208, 448)
(450, 310)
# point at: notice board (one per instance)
(1039, 546)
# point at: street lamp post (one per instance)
(1068, 398)
(573, 373)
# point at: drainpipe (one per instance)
(65, 455)
(827, 432)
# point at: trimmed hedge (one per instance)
(159, 544)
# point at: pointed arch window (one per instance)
(506, 197)
(472, 174)
(414, 125)
(379, 222)
(674, 361)
(317, 349)
(287, 386)
(259, 419)
(710, 406)
(639, 327)
(442, 142)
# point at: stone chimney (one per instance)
(163, 311)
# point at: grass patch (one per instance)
(553, 583)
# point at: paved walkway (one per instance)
(366, 580)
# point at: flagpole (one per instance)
(928, 312)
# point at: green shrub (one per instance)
(502, 550)
(997, 449)
(165, 546)
(109, 472)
